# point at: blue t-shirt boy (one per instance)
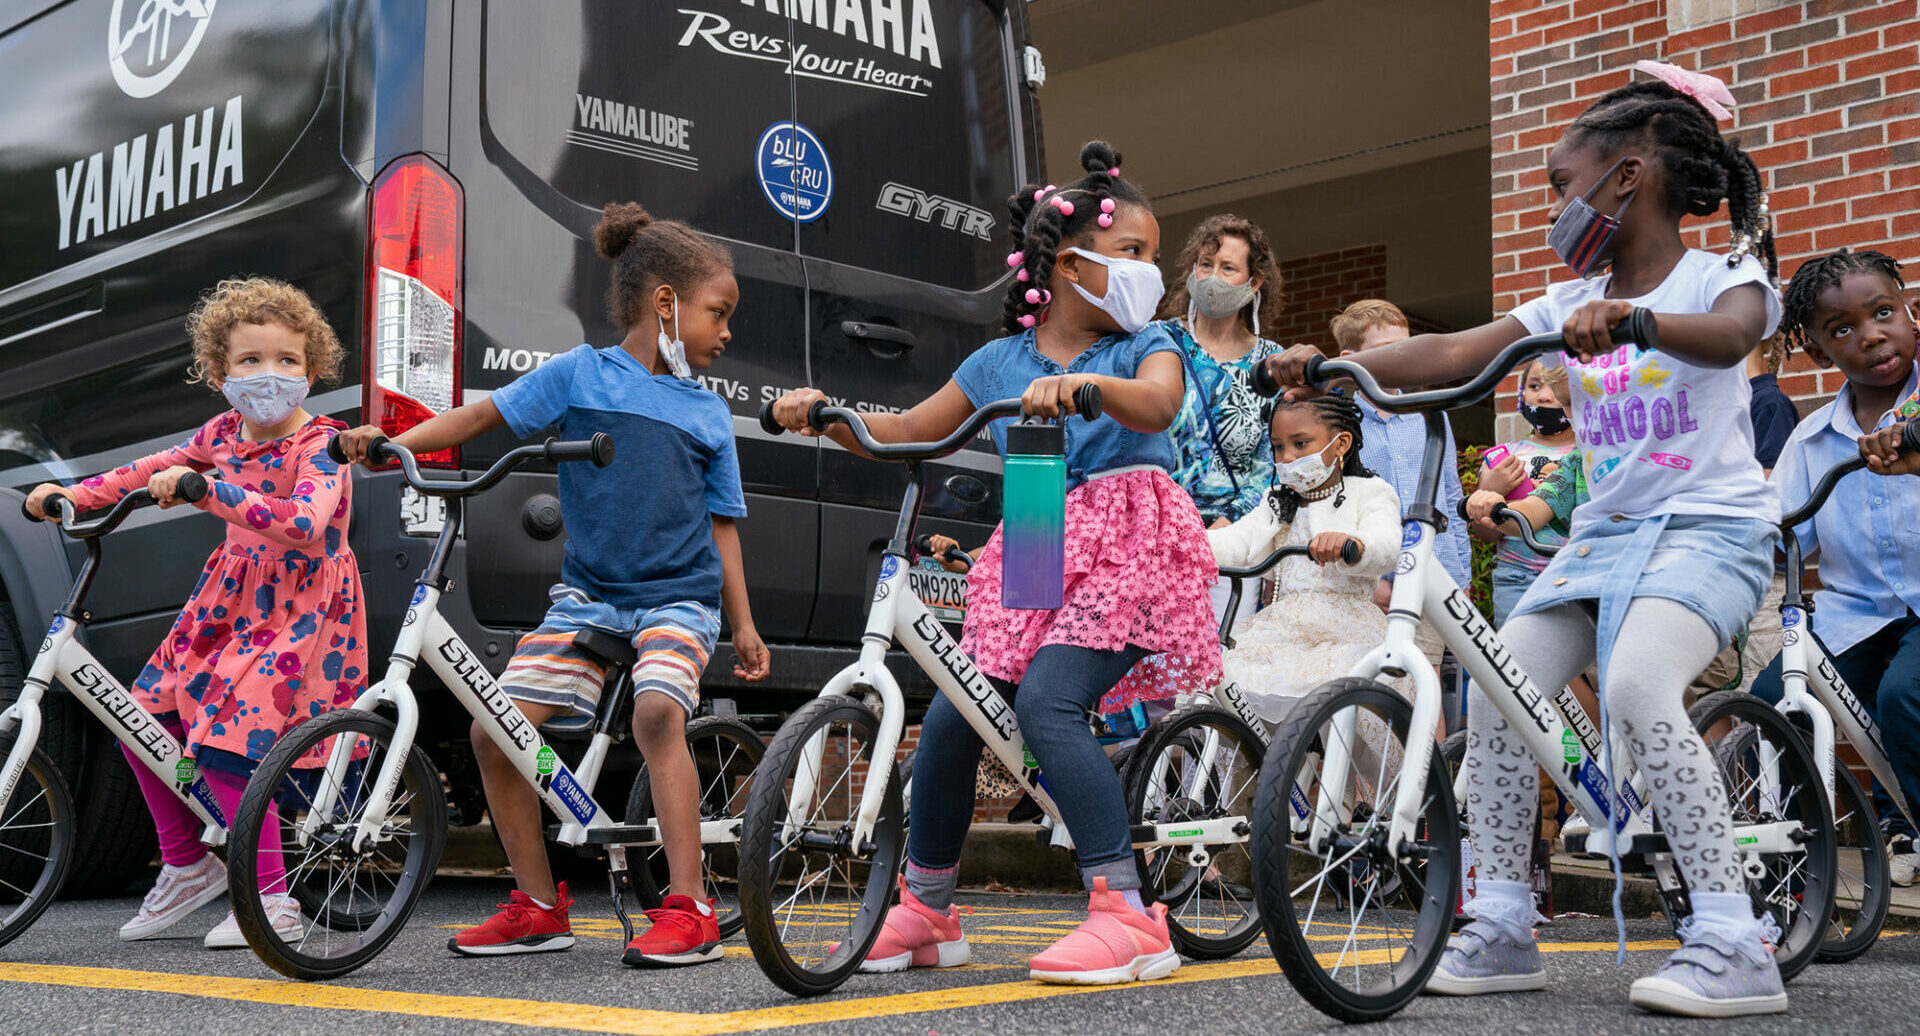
(640, 531)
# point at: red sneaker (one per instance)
(681, 934)
(521, 926)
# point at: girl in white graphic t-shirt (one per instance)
(1673, 550)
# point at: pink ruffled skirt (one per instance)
(1138, 572)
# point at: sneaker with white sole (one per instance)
(1486, 958)
(1903, 860)
(1116, 943)
(1711, 977)
(283, 912)
(179, 892)
(917, 936)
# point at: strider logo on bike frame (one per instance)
(961, 668)
(141, 729)
(471, 673)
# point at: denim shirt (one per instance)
(1868, 534)
(1004, 367)
(1392, 445)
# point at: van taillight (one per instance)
(414, 299)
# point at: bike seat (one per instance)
(610, 648)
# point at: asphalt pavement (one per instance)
(70, 974)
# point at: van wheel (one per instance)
(114, 843)
(62, 722)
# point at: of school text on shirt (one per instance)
(640, 531)
(1659, 435)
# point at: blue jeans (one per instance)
(1051, 703)
(1883, 671)
(1510, 583)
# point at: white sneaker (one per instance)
(179, 892)
(282, 911)
(1903, 861)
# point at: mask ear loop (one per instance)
(1256, 313)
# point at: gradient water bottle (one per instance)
(1033, 534)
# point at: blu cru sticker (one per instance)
(795, 173)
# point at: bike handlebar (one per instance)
(1349, 554)
(598, 449)
(192, 488)
(1503, 513)
(1909, 443)
(1086, 401)
(924, 544)
(1639, 327)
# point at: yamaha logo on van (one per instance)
(149, 42)
(904, 28)
(794, 171)
(914, 203)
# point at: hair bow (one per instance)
(1712, 94)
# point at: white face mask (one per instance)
(265, 399)
(673, 350)
(1133, 290)
(1305, 473)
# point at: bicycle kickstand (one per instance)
(620, 879)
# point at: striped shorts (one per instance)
(672, 642)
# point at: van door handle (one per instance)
(897, 340)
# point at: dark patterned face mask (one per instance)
(1547, 420)
(1581, 235)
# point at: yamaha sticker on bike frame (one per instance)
(888, 566)
(572, 796)
(204, 795)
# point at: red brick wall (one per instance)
(1829, 106)
(1319, 286)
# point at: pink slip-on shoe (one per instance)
(917, 936)
(1116, 943)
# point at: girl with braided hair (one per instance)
(1670, 555)
(1079, 311)
(1322, 621)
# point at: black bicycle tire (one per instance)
(766, 812)
(42, 770)
(417, 872)
(651, 888)
(1800, 941)
(1876, 874)
(1136, 777)
(1272, 833)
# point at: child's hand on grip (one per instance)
(1480, 506)
(791, 410)
(1289, 371)
(1588, 330)
(1053, 396)
(1882, 451)
(36, 505)
(355, 441)
(751, 660)
(1325, 548)
(165, 485)
(942, 544)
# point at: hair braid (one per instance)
(1040, 227)
(1702, 168)
(1337, 413)
(1815, 276)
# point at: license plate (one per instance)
(943, 592)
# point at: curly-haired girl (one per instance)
(274, 633)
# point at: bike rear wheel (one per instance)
(1197, 765)
(1356, 931)
(36, 841)
(353, 901)
(725, 755)
(1863, 880)
(813, 901)
(1770, 777)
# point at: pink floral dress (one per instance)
(274, 633)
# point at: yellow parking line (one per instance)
(585, 1017)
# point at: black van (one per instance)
(430, 171)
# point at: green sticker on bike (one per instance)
(1027, 755)
(544, 761)
(1570, 745)
(184, 771)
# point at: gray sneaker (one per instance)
(1710, 977)
(1486, 958)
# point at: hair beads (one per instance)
(1045, 219)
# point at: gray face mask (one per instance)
(1215, 299)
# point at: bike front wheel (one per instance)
(1863, 878)
(1199, 766)
(814, 900)
(36, 841)
(353, 899)
(725, 755)
(1356, 930)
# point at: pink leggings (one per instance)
(180, 830)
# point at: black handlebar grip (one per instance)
(1262, 382)
(44, 515)
(1086, 400)
(1350, 551)
(192, 487)
(598, 449)
(335, 452)
(1910, 439)
(767, 423)
(1640, 328)
(816, 415)
(602, 444)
